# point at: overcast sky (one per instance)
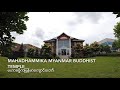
(89, 26)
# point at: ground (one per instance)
(104, 67)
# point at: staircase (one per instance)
(64, 57)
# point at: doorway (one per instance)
(63, 51)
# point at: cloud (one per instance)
(98, 37)
(94, 17)
(36, 43)
(89, 26)
(39, 33)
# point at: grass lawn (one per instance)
(104, 67)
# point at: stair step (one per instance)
(64, 57)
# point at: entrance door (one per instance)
(63, 51)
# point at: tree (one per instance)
(101, 48)
(107, 49)
(117, 30)
(95, 48)
(87, 50)
(46, 51)
(30, 53)
(77, 50)
(21, 51)
(116, 45)
(6, 51)
(36, 53)
(117, 33)
(118, 14)
(11, 22)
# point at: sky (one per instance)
(89, 26)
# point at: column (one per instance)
(70, 47)
(56, 46)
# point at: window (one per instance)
(62, 43)
(66, 43)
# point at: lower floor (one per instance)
(64, 51)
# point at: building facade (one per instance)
(107, 41)
(63, 44)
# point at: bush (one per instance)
(13, 55)
(72, 55)
(110, 54)
(56, 57)
(30, 53)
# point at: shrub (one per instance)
(56, 57)
(30, 53)
(13, 55)
(110, 54)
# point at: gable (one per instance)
(63, 36)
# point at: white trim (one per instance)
(56, 46)
(69, 47)
(63, 47)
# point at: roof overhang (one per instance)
(64, 35)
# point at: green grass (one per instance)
(104, 67)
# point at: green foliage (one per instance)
(56, 57)
(21, 52)
(117, 30)
(30, 53)
(11, 22)
(77, 51)
(104, 49)
(113, 54)
(46, 51)
(107, 49)
(101, 48)
(117, 34)
(36, 53)
(87, 51)
(13, 55)
(118, 43)
(95, 47)
(6, 51)
(91, 50)
(115, 45)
